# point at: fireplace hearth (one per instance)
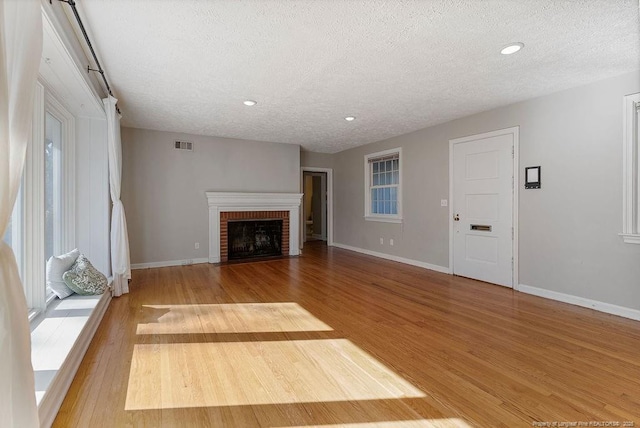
(248, 239)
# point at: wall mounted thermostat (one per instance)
(532, 177)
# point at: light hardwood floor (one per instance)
(338, 338)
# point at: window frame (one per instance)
(630, 170)
(385, 218)
(64, 184)
(33, 204)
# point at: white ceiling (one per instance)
(398, 66)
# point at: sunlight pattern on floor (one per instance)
(251, 373)
(228, 318)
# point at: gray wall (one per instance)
(318, 160)
(569, 229)
(163, 189)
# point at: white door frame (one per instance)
(329, 172)
(515, 132)
(323, 204)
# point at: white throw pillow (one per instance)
(56, 267)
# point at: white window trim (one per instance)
(33, 260)
(33, 198)
(67, 187)
(630, 170)
(383, 218)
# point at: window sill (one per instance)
(33, 313)
(383, 219)
(59, 338)
(53, 335)
(630, 238)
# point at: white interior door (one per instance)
(482, 198)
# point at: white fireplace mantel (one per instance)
(231, 201)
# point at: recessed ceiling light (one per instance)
(250, 103)
(511, 48)
(350, 118)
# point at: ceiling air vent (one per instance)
(183, 145)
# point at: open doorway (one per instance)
(314, 206)
(324, 199)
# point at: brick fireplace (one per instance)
(228, 206)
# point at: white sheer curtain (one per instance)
(20, 51)
(120, 263)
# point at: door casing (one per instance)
(329, 172)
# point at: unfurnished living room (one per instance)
(292, 213)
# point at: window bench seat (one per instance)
(59, 339)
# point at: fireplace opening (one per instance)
(247, 239)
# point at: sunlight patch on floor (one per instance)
(182, 375)
(228, 318)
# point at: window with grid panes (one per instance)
(383, 185)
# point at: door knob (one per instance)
(456, 217)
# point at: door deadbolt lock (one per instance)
(456, 217)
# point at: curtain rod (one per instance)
(72, 3)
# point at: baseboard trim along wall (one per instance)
(168, 263)
(391, 257)
(608, 308)
(56, 392)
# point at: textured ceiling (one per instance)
(398, 66)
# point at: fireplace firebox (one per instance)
(249, 239)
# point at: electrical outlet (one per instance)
(187, 262)
(197, 245)
(391, 242)
(443, 202)
(381, 241)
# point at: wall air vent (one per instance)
(183, 145)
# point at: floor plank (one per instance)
(338, 338)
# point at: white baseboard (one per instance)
(169, 263)
(57, 390)
(608, 308)
(399, 259)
